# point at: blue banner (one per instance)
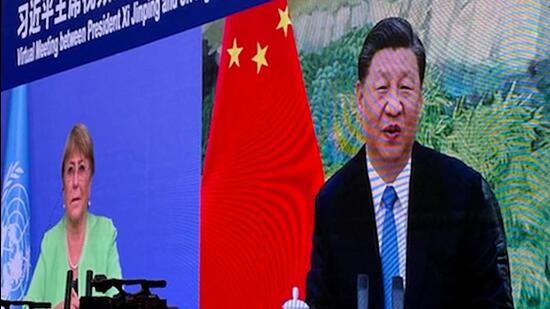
(16, 247)
(43, 37)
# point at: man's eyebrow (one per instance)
(384, 73)
(381, 72)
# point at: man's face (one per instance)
(390, 101)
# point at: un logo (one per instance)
(15, 234)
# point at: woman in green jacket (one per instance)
(80, 241)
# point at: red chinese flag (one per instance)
(262, 168)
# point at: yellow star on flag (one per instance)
(284, 20)
(259, 58)
(234, 53)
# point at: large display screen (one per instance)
(215, 123)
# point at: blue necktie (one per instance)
(390, 256)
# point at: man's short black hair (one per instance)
(392, 32)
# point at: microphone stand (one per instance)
(68, 287)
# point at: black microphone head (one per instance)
(362, 291)
(398, 293)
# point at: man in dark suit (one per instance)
(400, 209)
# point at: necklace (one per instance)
(72, 265)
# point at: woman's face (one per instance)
(77, 179)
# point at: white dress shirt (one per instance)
(400, 209)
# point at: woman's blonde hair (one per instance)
(79, 140)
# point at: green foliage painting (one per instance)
(496, 127)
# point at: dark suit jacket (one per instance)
(456, 247)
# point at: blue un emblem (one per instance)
(15, 234)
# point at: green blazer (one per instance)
(99, 253)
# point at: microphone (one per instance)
(397, 293)
(362, 291)
(89, 278)
(68, 287)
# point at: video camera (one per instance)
(143, 299)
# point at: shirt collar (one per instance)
(378, 185)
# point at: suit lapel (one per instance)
(418, 236)
(364, 227)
